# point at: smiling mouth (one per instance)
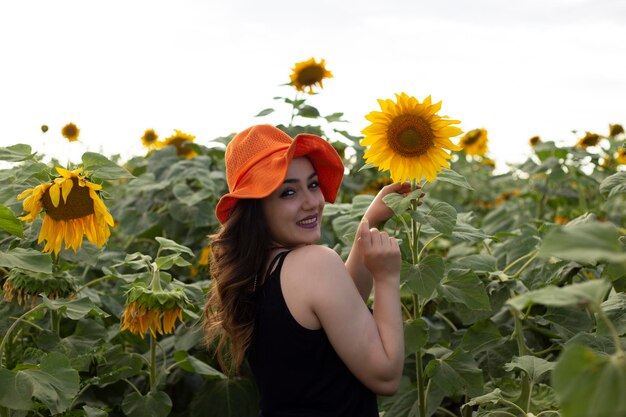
(308, 222)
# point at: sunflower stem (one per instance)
(153, 372)
(156, 278)
(15, 323)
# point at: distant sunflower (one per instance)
(590, 139)
(488, 162)
(73, 209)
(620, 157)
(306, 74)
(70, 132)
(180, 141)
(149, 139)
(534, 141)
(409, 139)
(615, 130)
(474, 142)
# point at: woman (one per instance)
(291, 307)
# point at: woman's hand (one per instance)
(381, 253)
(378, 212)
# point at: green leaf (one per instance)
(590, 384)
(195, 365)
(153, 404)
(441, 216)
(477, 263)
(232, 397)
(167, 244)
(27, 259)
(456, 373)
(400, 204)
(16, 153)
(534, 367)
(415, 335)
(454, 178)
(463, 286)
(424, 278)
(54, 382)
(590, 292)
(265, 112)
(94, 412)
(166, 262)
(615, 309)
(9, 223)
(14, 395)
(74, 309)
(466, 232)
(613, 184)
(308, 111)
(99, 166)
(481, 336)
(587, 243)
(490, 398)
(335, 117)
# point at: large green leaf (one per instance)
(588, 243)
(195, 365)
(170, 245)
(481, 336)
(74, 309)
(615, 309)
(16, 153)
(54, 382)
(233, 397)
(424, 278)
(9, 223)
(153, 404)
(27, 259)
(400, 204)
(576, 294)
(102, 167)
(463, 286)
(456, 373)
(590, 384)
(614, 184)
(13, 395)
(533, 366)
(415, 335)
(454, 178)
(477, 263)
(441, 216)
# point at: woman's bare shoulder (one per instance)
(314, 259)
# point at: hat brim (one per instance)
(263, 178)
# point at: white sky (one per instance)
(206, 67)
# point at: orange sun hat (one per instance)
(257, 160)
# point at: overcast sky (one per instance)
(206, 67)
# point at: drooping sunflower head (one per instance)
(409, 139)
(154, 311)
(25, 288)
(475, 142)
(72, 209)
(149, 139)
(70, 132)
(309, 73)
(590, 139)
(180, 141)
(615, 130)
(534, 141)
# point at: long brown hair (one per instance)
(239, 256)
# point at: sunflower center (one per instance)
(79, 204)
(311, 75)
(472, 137)
(410, 135)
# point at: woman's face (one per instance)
(294, 210)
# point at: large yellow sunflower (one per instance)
(474, 142)
(149, 139)
(73, 209)
(306, 74)
(179, 140)
(409, 139)
(70, 132)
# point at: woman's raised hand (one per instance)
(378, 211)
(381, 253)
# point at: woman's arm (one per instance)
(376, 214)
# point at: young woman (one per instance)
(291, 307)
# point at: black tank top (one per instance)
(296, 369)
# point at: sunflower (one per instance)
(474, 142)
(205, 256)
(149, 139)
(534, 141)
(153, 310)
(26, 287)
(615, 130)
(590, 139)
(306, 74)
(180, 141)
(409, 139)
(70, 132)
(73, 209)
(488, 162)
(620, 156)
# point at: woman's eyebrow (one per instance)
(293, 180)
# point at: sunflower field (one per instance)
(513, 284)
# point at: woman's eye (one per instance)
(314, 185)
(287, 193)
